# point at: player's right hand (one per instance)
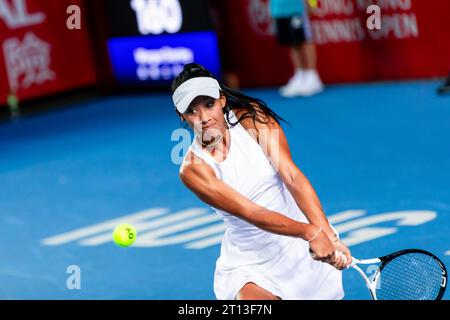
(322, 249)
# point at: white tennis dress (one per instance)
(280, 264)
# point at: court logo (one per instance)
(199, 228)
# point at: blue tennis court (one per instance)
(377, 154)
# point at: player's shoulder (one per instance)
(258, 120)
(190, 162)
(257, 124)
(194, 167)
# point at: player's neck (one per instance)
(220, 147)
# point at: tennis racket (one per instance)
(410, 274)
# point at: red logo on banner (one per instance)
(39, 54)
(27, 62)
(15, 14)
(259, 17)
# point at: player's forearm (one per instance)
(278, 223)
(308, 202)
(263, 218)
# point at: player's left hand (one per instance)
(342, 258)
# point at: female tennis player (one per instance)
(240, 164)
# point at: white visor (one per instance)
(189, 90)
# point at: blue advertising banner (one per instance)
(157, 60)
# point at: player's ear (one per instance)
(223, 100)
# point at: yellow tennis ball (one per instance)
(124, 234)
(313, 3)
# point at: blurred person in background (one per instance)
(293, 29)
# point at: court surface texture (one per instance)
(378, 156)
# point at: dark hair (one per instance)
(235, 99)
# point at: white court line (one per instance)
(205, 242)
(146, 225)
(182, 215)
(346, 215)
(447, 253)
(367, 234)
(150, 236)
(405, 218)
(185, 237)
(104, 226)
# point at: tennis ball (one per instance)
(313, 3)
(124, 234)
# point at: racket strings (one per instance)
(412, 276)
(413, 290)
(418, 283)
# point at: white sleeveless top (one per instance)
(280, 264)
